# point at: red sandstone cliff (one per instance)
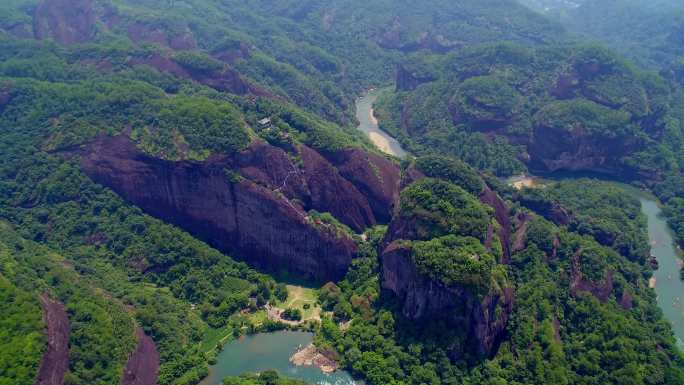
(253, 204)
(424, 298)
(55, 362)
(66, 21)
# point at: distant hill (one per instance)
(651, 33)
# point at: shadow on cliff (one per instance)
(257, 204)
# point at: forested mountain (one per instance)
(651, 33)
(165, 165)
(575, 107)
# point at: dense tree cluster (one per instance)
(434, 208)
(456, 261)
(268, 377)
(21, 334)
(565, 328)
(610, 214)
(521, 94)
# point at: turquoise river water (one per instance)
(369, 125)
(271, 351)
(668, 285)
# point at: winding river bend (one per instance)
(369, 124)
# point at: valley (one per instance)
(368, 124)
(193, 192)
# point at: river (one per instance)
(369, 124)
(271, 351)
(668, 285)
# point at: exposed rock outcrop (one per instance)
(520, 236)
(626, 300)
(552, 211)
(393, 38)
(225, 79)
(334, 194)
(502, 214)
(230, 53)
(375, 176)
(484, 320)
(555, 149)
(55, 362)
(409, 81)
(142, 367)
(21, 30)
(253, 204)
(142, 32)
(602, 290)
(66, 21)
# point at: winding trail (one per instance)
(143, 365)
(55, 362)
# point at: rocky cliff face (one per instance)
(408, 81)
(483, 319)
(253, 204)
(555, 149)
(376, 177)
(66, 21)
(602, 290)
(502, 215)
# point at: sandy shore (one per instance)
(310, 356)
(524, 182)
(381, 142)
(373, 119)
(652, 282)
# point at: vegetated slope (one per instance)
(314, 53)
(572, 108)
(177, 286)
(589, 207)
(264, 378)
(55, 362)
(508, 108)
(562, 310)
(92, 345)
(651, 34)
(161, 102)
(22, 341)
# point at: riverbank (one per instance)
(369, 124)
(665, 281)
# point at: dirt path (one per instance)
(143, 365)
(55, 361)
